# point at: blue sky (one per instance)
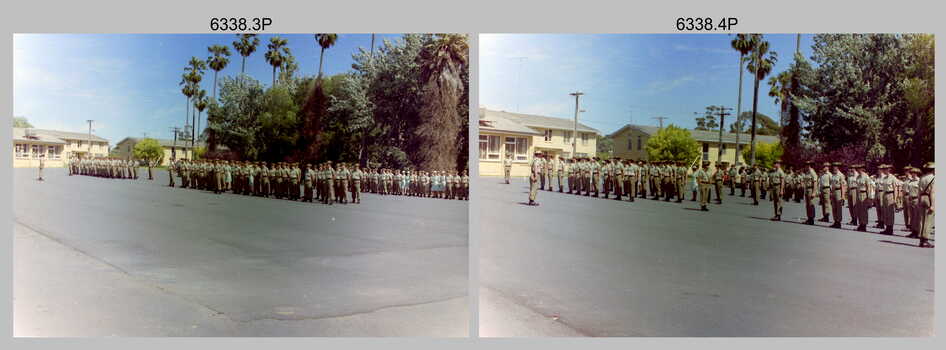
(625, 77)
(128, 84)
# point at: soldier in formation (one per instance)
(111, 168)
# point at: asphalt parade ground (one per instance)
(108, 257)
(581, 266)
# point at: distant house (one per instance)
(630, 142)
(172, 149)
(57, 146)
(521, 135)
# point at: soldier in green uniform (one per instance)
(824, 186)
(926, 205)
(887, 203)
(718, 181)
(535, 173)
(756, 181)
(777, 185)
(838, 189)
(851, 179)
(705, 181)
(631, 173)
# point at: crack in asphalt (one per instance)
(356, 313)
(519, 301)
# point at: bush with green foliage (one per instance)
(672, 143)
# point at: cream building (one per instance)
(57, 146)
(521, 135)
(630, 142)
(172, 150)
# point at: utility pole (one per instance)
(577, 95)
(174, 130)
(661, 120)
(518, 80)
(722, 113)
(90, 136)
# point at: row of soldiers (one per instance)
(325, 182)
(590, 176)
(837, 185)
(112, 168)
(884, 192)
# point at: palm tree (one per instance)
(326, 41)
(760, 66)
(195, 73)
(441, 64)
(781, 89)
(245, 46)
(277, 47)
(200, 102)
(217, 61)
(743, 44)
(188, 91)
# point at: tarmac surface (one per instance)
(108, 257)
(581, 266)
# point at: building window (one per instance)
(489, 147)
(53, 152)
(629, 144)
(548, 135)
(568, 137)
(566, 155)
(518, 147)
(584, 139)
(639, 140)
(705, 151)
(723, 150)
(581, 155)
(22, 150)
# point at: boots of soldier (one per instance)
(703, 208)
(925, 243)
(810, 221)
(836, 224)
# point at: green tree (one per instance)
(604, 144)
(760, 65)
(768, 153)
(743, 44)
(863, 95)
(276, 54)
(765, 125)
(325, 41)
(218, 60)
(672, 143)
(246, 45)
(441, 63)
(21, 122)
(150, 151)
(235, 121)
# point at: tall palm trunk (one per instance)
(321, 55)
(243, 66)
(215, 86)
(739, 112)
(755, 105)
(274, 76)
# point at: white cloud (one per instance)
(667, 85)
